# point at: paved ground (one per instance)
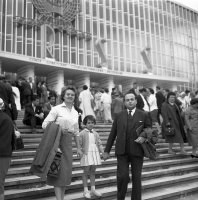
(191, 197)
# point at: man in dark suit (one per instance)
(25, 91)
(7, 95)
(142, 102)
(48, 106)
(33, 114)
(160, 100)
(127, 125)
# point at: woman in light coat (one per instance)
(191, 119)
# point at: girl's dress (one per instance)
(93, 156)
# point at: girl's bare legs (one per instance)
(92, 181)
(59, 192)
(182, 148)
(84, 179)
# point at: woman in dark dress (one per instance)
(172, 116)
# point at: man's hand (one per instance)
(41, 115)
(140, 140)
(105, 156)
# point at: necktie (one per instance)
(130, 111)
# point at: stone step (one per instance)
(108, 168)
(30, 149)
(153, 189)
(162, 163)
(28, 160)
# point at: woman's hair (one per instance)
(69, 87)
(90, 118)
(151, 90)
(170, 94)
(85, 87)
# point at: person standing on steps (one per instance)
(126, 127)
(67, 117)
(171, 115)
(6, 146)
(89, 152)
(191, 121)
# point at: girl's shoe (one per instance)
(87, 195)
(96, 193)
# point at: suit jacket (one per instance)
(140, 102)
(6, 135)
(160, 99)
(7, 95)
(26, 89)
(46, 108)
(119, 129)
(29, 111)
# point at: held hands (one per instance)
(79, 153)
(105, 155)
(140, 140)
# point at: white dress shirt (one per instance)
(62, 115)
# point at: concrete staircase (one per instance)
(169, 177)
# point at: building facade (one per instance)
(100, 42)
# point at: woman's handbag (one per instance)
(55, 166)
(169, 131)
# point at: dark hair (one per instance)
(69, 87)
(193, 101)
(35, 97)
(142, 90)
(85, 87)
(50, 96)
(158, 87)
(170, 94)
(151, 90)
(106, 90)
(90, 118)
(187, 91)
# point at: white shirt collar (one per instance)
(132, 111)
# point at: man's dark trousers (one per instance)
(123, 162)
(123, 176)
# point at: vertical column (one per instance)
(55, 80)
(26, 72)
(107, 82)
(127, 85)
(83, 79)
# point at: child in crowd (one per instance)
(89, 152)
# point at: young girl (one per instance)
(90, 146)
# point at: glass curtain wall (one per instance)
(168, 29)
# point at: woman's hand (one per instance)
(79, 153)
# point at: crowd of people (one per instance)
(76, 113)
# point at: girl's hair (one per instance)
(69, 87)
(90, 118)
